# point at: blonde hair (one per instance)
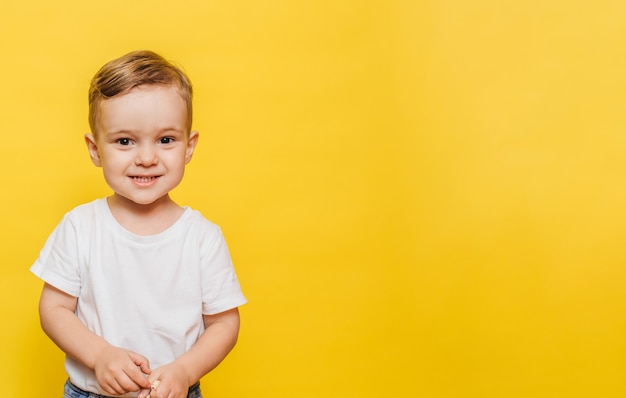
(135, 69)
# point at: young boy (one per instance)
(139, 292)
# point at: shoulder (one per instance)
(89, 209)
(195, 219)
(205, 231)
(85, 213)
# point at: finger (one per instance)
(141, 361)
(153, 387)
(144, 393)
(114, 388)
(138, 379)
(129, 384)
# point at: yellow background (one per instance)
(422, 198)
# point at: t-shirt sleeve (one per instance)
(57, 263)
(221, 290)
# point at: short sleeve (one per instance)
(221, 290)
(58, 263)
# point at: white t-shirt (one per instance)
(143, 293)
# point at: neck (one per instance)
(144, 219)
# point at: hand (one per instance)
(119, 371)
(169, 381)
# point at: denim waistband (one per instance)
(192, 389)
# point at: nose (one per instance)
(146, 156)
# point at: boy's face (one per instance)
(142, 143)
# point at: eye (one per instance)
(123, 141)
(166, 140)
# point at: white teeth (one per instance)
(143, 179)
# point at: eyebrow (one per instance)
(160, 131)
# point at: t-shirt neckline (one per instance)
(118, 228)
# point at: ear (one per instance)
(92, 146)
(191, 145)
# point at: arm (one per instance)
(118, 370)
(218, 339)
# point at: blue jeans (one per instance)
(71, 391)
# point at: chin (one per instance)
(142, 201)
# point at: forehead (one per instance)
(144, 108)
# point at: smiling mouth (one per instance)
(144, 180)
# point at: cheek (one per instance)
(110, 172)
(114, 157)
(113, 162)
(175, 158)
